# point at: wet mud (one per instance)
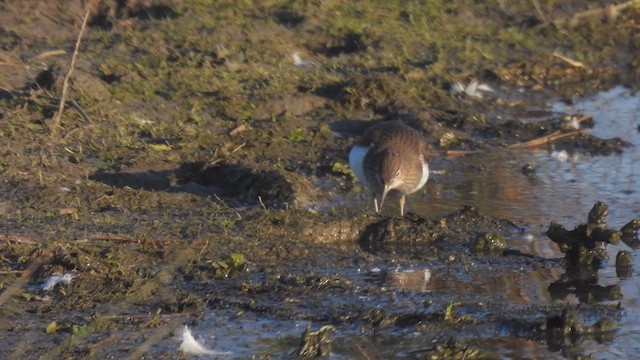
(198, 170)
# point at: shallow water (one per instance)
(563, 189)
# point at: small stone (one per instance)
(598, 214)
(529, 168)
(490, 242)
(624, 258)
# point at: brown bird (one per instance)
(391, 156)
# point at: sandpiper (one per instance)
(391, 156)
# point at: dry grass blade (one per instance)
(47, 54)
(461, 152)
(574, 63)
(606, 11)
(536, 3)
(126, 239)
(554, 136)
(18, 239)
(65, 85)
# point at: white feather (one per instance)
(457, 87)
(192, 346)
(54, 280)
(474, 89)
(297, 60)
(561, 155)
(574, 124)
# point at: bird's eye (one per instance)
(398, 173)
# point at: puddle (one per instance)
(563, 189)
(515, 286)
(564, 186)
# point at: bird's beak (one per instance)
(384, 195)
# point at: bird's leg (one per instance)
(402, 205)
(375, 202)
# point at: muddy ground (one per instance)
(201, 162)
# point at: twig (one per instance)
(591, 13)
(584, 118)
(238, 148)
(536, 3)
(10, 272)
(65, 84)
(125, 239)
(79, 109)
(461, 152)
(72, 103)
(99, 237)
(69, 133)
(574, 63)
(554, 136)
(47, 54)
(114, 238)
(261, 203)
(18, 239)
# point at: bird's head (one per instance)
(391, 173)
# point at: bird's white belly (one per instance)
(424, 178)
(356, 161)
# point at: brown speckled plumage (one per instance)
(395, 159)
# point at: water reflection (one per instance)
(562, 189)
(478, 282)
(564, 186)
(397, 279)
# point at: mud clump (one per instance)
(596, 146)
(316, 344)
(418, 236)
(585, 251)
(409, 232)
(586, 244)
(491, 243)
(630, 234)
(624, 264)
